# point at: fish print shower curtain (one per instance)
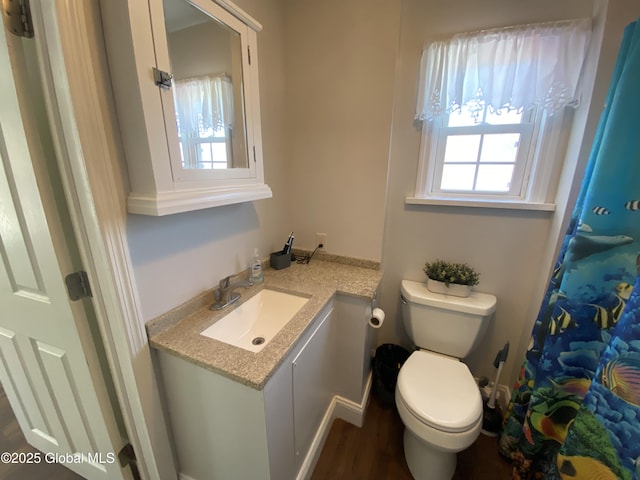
(575, 409)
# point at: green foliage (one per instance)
(587, 437)
(449, 272)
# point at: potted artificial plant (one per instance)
(450, 278)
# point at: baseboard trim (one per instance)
(339, 407)
(353, 412)
(309, 462)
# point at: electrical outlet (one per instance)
(321, 238)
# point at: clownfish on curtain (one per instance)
(575, 410)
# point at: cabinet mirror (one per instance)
(186, 89)
(206, 63)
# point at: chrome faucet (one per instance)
(226, 294)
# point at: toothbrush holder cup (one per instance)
(279, 260)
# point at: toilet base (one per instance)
(426, 463)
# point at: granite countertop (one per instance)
(178, 331)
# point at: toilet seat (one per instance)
(439, 392)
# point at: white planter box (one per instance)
(453, 289)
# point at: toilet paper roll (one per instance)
(377, 318)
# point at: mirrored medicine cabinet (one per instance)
(185, 79)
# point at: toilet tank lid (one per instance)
(475, 304)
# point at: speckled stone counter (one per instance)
(178, 331)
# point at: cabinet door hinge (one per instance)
(161, 78)
(78, 285)
(127, 457)
(16, 15)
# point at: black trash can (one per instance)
(386, 365)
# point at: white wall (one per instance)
(213, 55)
(513, 250)
(178, 256)
(340, 68)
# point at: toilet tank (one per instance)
(443, 323)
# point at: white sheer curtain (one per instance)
(203, 105)
(515, 68)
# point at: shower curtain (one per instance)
(575, 409)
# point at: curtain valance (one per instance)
(203, 103)
(515, 68)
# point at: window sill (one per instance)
(503, 204)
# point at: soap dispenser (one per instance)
(256, 275)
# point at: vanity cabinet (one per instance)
(185, 82)
(224, 429)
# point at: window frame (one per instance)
(540, 169)
(192, 144)
(522, 161)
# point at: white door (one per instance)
(49, 364)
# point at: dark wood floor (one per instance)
(12, 440)
(375, 452)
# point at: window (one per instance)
(204, 117)
(487, 154)
(492, 105)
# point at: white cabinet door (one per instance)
(48, 363)
(312, 393)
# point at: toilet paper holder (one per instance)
(377, 318)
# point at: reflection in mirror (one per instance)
(206, 63)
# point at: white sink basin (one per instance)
(254, 323)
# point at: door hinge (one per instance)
(16, 15)
(249, 54)
(162, 79)
(254, 154)
(78, 285)
(127, 457)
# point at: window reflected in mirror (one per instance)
(206, 63)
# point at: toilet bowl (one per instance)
(441, 408)
(436, 395)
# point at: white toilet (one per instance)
(436, 395)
